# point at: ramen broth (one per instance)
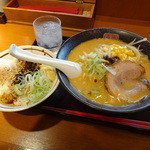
(84, 84)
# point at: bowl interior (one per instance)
(38, 50)
(86, 35)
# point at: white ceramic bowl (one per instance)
(38, 50)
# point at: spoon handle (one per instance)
(71, 69)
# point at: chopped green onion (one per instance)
(34, 86)
(90, 92)
(92, 65)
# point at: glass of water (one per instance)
(48, 32)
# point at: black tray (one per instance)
(64, 103)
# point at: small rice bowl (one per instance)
(25, 84)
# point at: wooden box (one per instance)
(83, 20)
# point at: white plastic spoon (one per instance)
(69, 68)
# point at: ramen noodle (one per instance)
(108, 72)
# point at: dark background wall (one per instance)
(131, 9)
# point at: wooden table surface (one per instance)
(36, 129)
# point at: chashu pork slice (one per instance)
(126, 83)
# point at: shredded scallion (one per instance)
(34, 86)
(92, 65)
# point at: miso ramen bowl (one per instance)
(90, 34)
(40, 51)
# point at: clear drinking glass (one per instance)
(48, 32)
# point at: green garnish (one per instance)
(33, 86)
(92, 65)
(90, 92)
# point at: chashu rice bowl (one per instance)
(25, 84)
